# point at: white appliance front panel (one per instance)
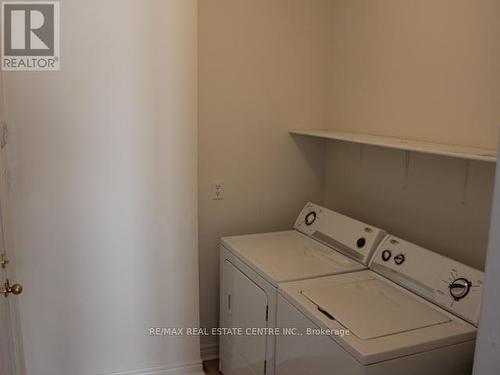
(246, 307)
(235, 356)
(232, 363)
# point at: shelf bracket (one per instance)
(466, 182)
(407, 168)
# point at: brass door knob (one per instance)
(7, 289)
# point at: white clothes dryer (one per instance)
(322, 243)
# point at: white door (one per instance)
(245, 308)
(7, 364)
(11, 354)
(11, 362)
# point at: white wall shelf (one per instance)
(454, 151)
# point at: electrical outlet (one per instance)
(217, 190)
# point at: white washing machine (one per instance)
(414, 313)
(253, 265)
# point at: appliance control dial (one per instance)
(311, 218)
(386, 255)
(361, 242)
(399, 259)
(459, 288)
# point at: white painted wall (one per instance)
(487, 360)
(104, 161)
(437, 205)
(262, 71)
(424, 70)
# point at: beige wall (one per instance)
(262, 71)
(426, 70)
(423, 69)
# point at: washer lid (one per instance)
(373, 308)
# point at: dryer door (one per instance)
(245, 306)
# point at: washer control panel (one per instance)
(443, 281)
(342, 233)
(460, 290)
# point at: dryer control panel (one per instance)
(447, 283)
(342, 233)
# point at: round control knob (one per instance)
(361, 242)
(459, 288)
(386, 255)
(310, 217)
(399, 259)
